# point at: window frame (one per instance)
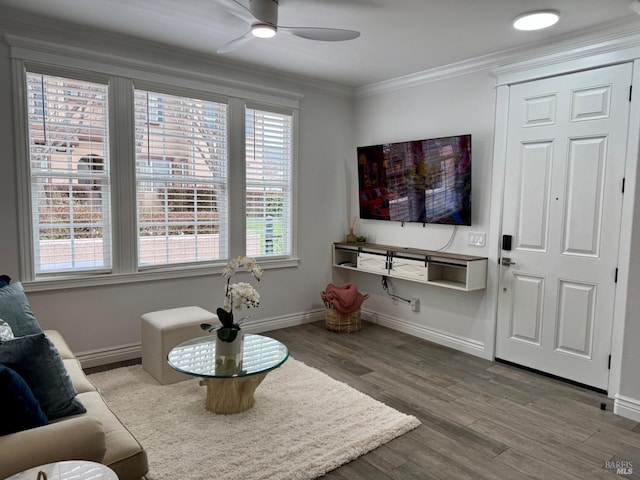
(69, 174)
(35, 56)
(224, 219)
(293, 166)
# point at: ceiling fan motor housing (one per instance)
(263, 17)
(266, 11)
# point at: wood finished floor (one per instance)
(480, 419)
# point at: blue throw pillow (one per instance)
(38, 361)
(15, 310)
(4, 280)
(20, 408)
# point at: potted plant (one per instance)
(237, 296)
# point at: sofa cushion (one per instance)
(60, 344)
(124, 454)
(16, 311)
(73, 438)
(78, 378)
(36, 359)
(19, 408)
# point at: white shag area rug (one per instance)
(303, 424)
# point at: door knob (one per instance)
(506, 261)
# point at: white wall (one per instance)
(628, 398)
(101, 318)
(457, 105)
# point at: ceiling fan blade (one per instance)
(235, 43)
(322, 34)
(239, 10)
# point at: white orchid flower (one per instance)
(241, 294)
(231, 268)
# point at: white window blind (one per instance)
(181, 177)
(68, 140)
(268, 138)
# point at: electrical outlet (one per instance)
(477, 239)
(415, 304)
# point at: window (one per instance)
(268, 140)
(68, 141)
(126, 179)
(181, 176)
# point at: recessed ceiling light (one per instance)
(263, 30)
(536, 20)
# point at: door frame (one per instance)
(625, 49)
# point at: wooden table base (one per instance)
(231, 395)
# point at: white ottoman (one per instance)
(163, 330)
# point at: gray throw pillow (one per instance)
(38, 361)
(15, 310)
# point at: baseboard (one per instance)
(627, 407)
(106, 356)
(466, 345)
(283, 321)
(96, 358)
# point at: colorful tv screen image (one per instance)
(425, 181)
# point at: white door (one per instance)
(562, 206)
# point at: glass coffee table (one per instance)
(231, 377)
(68, 470)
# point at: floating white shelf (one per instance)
(447, 270)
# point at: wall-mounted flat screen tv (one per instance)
(425, 181)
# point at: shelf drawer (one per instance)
(409, 269)
(373, 263)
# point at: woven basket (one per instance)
(337, 322)
(342, 323)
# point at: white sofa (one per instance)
(97, 435)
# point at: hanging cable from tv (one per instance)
(386, 285)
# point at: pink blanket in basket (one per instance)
(345, 299)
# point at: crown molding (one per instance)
(615, 48)
(71, 56)
(427, 76)
(603, 39)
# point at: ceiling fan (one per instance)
(262, 15)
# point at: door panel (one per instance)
(574, 332)
(535, 182)
(584, 194)
(539, 111)
(562, 205)
(590, 103)
(526, 309)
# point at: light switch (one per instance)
(477, 239)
